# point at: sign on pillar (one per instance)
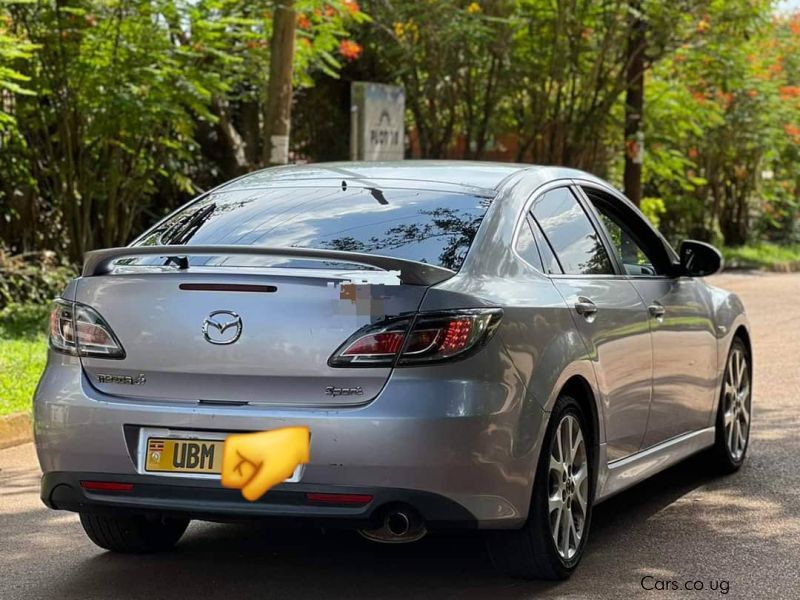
(377, 128)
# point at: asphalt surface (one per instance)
(740, 533)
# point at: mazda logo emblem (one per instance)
(222, 327)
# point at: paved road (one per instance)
(683, 525)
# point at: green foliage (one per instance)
(32, 279)
(23, 351)
(653, 209)
(21, 363)
(126, 102)
(764, 256)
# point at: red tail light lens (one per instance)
(78, 329)
(434, 337)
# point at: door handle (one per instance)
(585, 307)
(657, 310)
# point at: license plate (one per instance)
(180, 453)
(170, 455)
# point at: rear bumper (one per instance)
(209, 501)
(462, 450)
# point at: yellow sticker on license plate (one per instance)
(173, 455)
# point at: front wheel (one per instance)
(733, 414)
(133, 534)
(551, 543)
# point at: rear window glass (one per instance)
(425, 226)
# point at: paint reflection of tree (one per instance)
(456, 227)
(597, 261)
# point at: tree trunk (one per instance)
(634, 103)
(277, 121)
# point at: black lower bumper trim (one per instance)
(208, 500)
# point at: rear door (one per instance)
(684, 339)
(608, 313)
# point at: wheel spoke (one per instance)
(555, 503)
(567, 456)
(730, 390)
(574, 531)
(729, 431)
(565, 523)
(581, 496)
(727, 417)
(576, 446)
(556, 465)
(741, 372)
(731, 374)
(745, 412)
(740, 441)
(558, 444)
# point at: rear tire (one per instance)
(133, 534)
(732, 436)
(563, 489)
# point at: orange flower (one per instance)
(350, 50)
(352, 6)
(790, 91)
(792, 131)
(725, 98)
(693, 153)
(752, 93)
(303, 22)
(794, 25)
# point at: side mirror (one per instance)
(699, 259)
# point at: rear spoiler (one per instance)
(100, 262)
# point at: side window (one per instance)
(633, 254)
(571, 235)
(526, 246)
(549, 260)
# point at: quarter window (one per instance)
(526, 246)
(571, 235)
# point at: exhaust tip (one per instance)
(400, 525)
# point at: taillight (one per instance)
(78, 329)
(428, 338)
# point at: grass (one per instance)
(23, 351)
(764, 256)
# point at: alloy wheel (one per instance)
(736, 404)
(568, 491)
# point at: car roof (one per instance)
(471, 175)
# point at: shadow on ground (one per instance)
(240, 561)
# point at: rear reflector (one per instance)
(106, 486)
(339, 499)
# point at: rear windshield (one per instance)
(433, 227)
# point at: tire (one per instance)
(734, 410)
(531, 552)
(133, 534)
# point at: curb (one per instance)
(15, 429)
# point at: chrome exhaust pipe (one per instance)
(400, 525)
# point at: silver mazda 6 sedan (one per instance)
(472, 345)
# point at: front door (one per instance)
(684, 340)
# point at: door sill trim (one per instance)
(626, 472)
